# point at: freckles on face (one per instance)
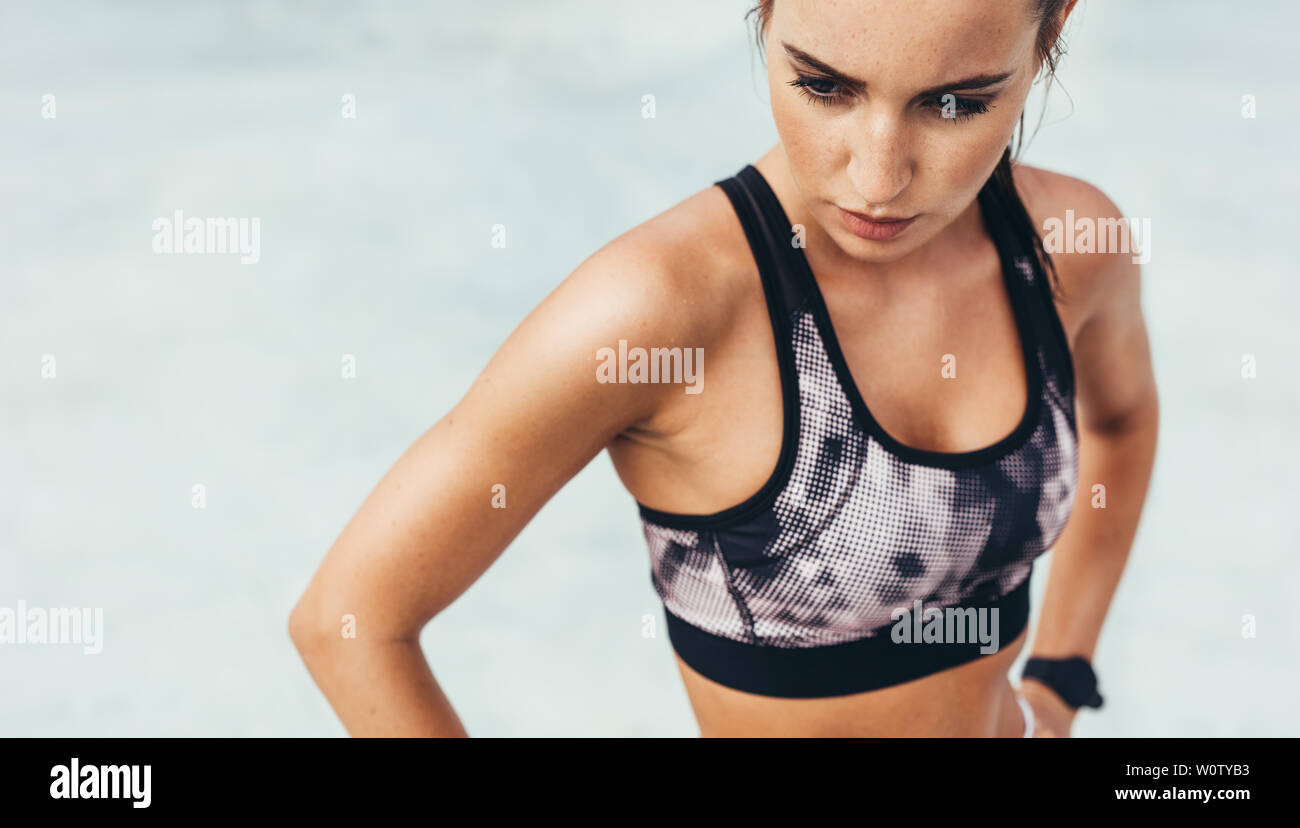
(901, 105)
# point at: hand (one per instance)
(1052, 716)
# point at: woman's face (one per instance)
(896, 109)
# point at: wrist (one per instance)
(1038, 692)
(1035, 689)
(1070, 679)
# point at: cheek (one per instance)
(807, 131)
(789, 116)
(962, 155)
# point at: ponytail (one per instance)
(1018, 217)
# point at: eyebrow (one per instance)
(972, 83)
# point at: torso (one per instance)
(697, 456)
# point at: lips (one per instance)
(875, 229)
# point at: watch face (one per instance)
(1076, 673)
(1075, 683)
(1079, 681)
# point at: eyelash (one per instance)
(805, 83)
(964, 108)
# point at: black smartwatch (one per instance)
(1071, 678)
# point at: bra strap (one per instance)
(771, 238)
(1011, 250)
(1018, 253)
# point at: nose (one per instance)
(880, 163)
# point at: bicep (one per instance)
(454, 500)
(1112, 354)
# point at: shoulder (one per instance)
(678, 275)
(1097, 262)
(669, 282)
(673, 281)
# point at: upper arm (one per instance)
(533, 418)
(1114, 378)
(1112, 354)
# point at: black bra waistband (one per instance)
(858, 666)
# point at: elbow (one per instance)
(317, 627)
(300, 627)
(308, 629)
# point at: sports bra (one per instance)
(799, 591)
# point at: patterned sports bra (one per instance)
(810, 587)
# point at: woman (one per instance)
(886, 250)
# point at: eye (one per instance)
(956, 108)
(820, 90)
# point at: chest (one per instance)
(939, 369)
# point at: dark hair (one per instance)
(1050, 50)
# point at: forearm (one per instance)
(1090, 556)
(381, 688)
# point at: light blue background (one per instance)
(176, 370)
